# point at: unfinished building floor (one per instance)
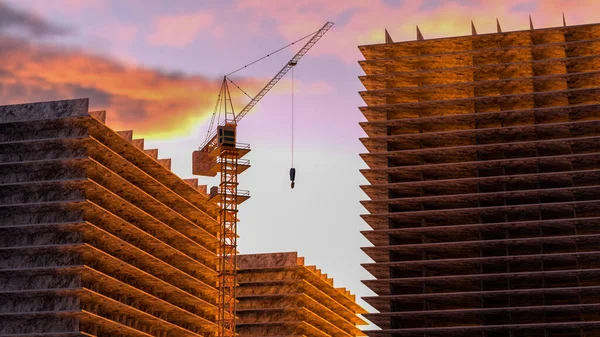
(279, 296)
(97, 236)
(484, 172)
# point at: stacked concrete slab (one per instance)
(97, 236)
(279, 296)
(484, 171)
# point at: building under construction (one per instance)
(279, 296)
(484, 172)
(97, 236)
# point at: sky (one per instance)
(156, 67)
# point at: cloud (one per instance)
(153, 103)
(58, 7)
(14, 18)
(361, 22)
(179, 30)
(301, 88)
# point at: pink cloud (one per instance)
(284, 87)
(76, 6)
(179, 30)
(364, 22)
(295, 19)
(125, 33)
(121, 35)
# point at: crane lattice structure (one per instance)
(221, 153)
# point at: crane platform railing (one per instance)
(240, 193)
(240, 162)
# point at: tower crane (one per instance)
(220, 153)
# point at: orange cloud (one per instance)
(153, 103)
(156, 103)
(179, 30)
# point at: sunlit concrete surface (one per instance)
(97, 236)
(280, 296)
(484, 171)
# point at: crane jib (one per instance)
(221, 155)
(284, 70)
(316, 37)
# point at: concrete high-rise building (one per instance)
(97, 236)
(484, 172)
(279, 296)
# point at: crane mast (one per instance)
(222, 154)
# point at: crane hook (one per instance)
(293, 176)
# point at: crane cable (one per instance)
(217, 111)
(292, 170)
(278, 50)
(292, 117)
(237, 86)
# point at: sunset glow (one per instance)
(157, 66)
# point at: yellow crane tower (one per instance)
(221, 153)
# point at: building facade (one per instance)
(279, 296)
(97, 236)
(484, 183)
